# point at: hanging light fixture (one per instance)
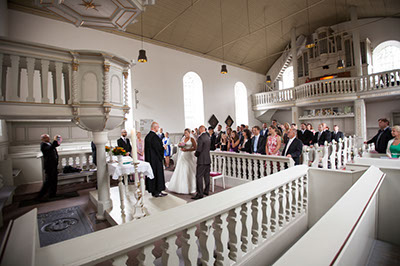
(224, 70)
(268, 79)
(310, 41)
(142, 58)
(340, 64)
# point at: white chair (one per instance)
(218, 171)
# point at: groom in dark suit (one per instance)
(203, 164)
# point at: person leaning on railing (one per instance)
(393, 148)
(383, 136)
(246, 145)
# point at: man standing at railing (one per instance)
(322, 135)
(257, 142)
(293, 147)
(382, 138)
(124, 142)
(305, 135)
(336, 134)
(50, 163)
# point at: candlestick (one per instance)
(134, 146)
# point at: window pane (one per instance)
(241, 108)
(288, 78)
(193, 100)
(386, 56)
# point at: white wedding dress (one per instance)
(183, 180)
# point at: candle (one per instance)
(134, 146)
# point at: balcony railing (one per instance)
(335, 87)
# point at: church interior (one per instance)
(83, 77)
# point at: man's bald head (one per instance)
(124, 133)
(155, 126)
(45, 138)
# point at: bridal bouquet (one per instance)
(181, 144)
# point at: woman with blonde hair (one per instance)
(393, 147)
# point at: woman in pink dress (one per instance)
(273, 141)
(140, 146)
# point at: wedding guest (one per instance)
(167, 149)
(224, 142)
(305, 135)
(246, 145)
(219, 129)
(273, 143)
(336, 134)
(219, 132)
(285, 131)
(161, 134)
(228, 132)
(124, 142)
(264, 130)
(257, 142)
(50, 163)
(246, 127)
(322, 135)
(310, 127)
(383, 136)
(140, 146)
(393, 148)
(275, 123)
(294, 147)
(233, 142)
(293, 126)
(213, 138)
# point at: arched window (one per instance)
(287, 78)
(193, 100)
(241, 109)
(386, 56)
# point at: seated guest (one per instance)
(246, 145)
(257, 142)
(273, 142)
(382, 138)
(124, 142)
(233, 142)
(140, 146)
(294, 147)
(264, 130)
(336, 134)
(322, 135)
(224, 142)
(393, 149)
(213, 139)
(167, 149)
(305, 135)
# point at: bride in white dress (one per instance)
(183, 180)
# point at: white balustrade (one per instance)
(230, 225)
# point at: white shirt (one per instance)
(288, 145)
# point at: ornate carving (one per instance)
(106, 68)
(126, 74)
(75, 66)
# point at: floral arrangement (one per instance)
(118, 151)
(181, 144)
(108, 149)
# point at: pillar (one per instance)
(356, 41)
(295, 115)
(360, 119)
(103, 183)
(294, 54)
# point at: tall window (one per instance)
(288, 78)
(242, 114)
(193, 100)
(386, 56)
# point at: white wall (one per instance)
(159, 81)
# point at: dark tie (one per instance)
(379, 136)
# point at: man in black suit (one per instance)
(264, 130)
(154, 154)
(213, 138)
(336, 134)
(293, 147)
(50, 163)
(124, 142)
(322, 135)
(382, 138)
(161, 134)
(219, 133)
(305, 135)
(203, 164)
(257, 142)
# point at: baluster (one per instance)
(12, 88)
(169, 248)
(121, 195)
(262, 165)
(247, 244)
(120, 260)
(257, 221)
(282, 209)
(58, 78)
(345, 151)
(275, 212)
(339, 154)
(81, 161)
(207, 243)
(145, 256)
(30, 67)
(305, 193)
(234, 227)
(228, 165)
(274, 167)
(300, 196)
(265, 208)
(289, 198)
(333, 155)
(1, 77)
(234, 172)
(268, 162)
(221, 239)
(250, 164)
(44, 78)
(239, 167)
(295, 198)
(190, 251)
(245, 168)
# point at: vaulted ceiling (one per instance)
(254, 31)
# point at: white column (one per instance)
(12, 86)
(295, 115)
(360, 119)
(74, 83)
(106, 83)
(356, 41)
(103, 183)
(30, 62)
(45, 73)
(1, 77)
(294, 54)
(58, 99)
